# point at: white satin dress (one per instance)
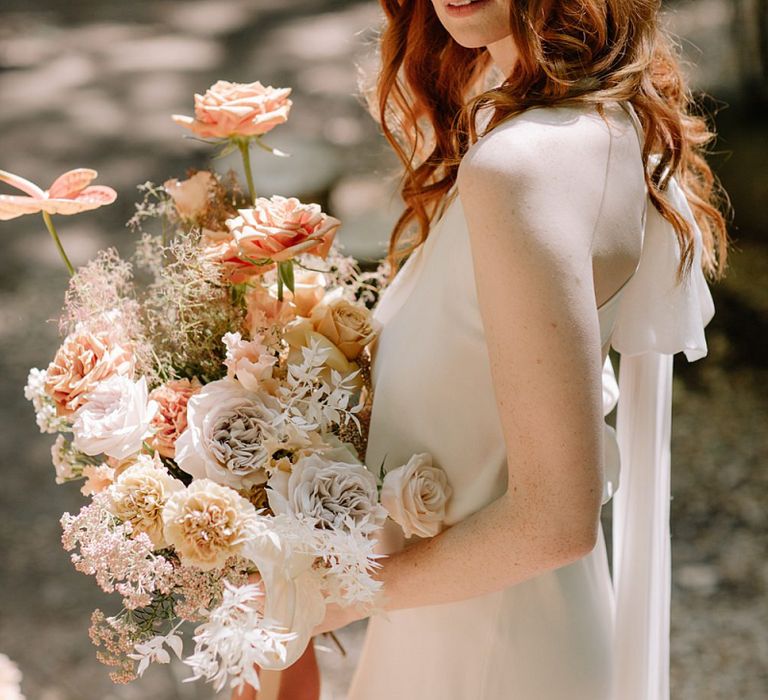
(552, 637)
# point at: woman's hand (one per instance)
(337, 616)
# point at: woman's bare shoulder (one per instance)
(561, 143)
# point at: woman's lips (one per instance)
(462, 8)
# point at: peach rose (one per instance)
(83, 361)
(279, 228)
(171, 418)
(308, 290)
(191, 196)
(222, 248)
(347, 325)
(237, 109)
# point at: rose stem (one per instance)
(244, 147)
(279, 285)
(52, 230)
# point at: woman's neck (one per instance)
(504, 54)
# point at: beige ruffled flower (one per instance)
(207, 523)
(237, 109)
(83, 361)
(415, 496)
(347, 325)
(139, 495)
(170, 421)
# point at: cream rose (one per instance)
(415, 496)
(207, 523)
(170, 421)
(347, 325)
(280, 228)
(114, 418)
(139, 495)
(300, 334)
(237, 109)
(191, 196)
(83, 360)
(327, 490)
(231, 434)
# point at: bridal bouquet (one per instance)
(213, 393)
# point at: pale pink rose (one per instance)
(98, 478)
(279, 228)
(237, 109)
(69, 194)
(170, 421)
(264, 310)
(114, 418)
(191, 196)
(83, 361)
(309, 289)
(415, 496)
(249, 361)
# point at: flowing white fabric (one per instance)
(657, 317)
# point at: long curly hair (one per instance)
(429, 89)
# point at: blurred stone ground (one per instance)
(94, 84)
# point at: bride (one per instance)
(566, 210)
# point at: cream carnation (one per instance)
(114, 419)
(237, 109)
(83, 361)
(327, 490)
(415, 496)
(231, 434)
(207, 523)
(170, 421)
(139, 495)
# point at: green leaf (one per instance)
(285, 270)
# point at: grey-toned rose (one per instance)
(415, 496)
(327, 490)
(231, 434)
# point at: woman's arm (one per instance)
(531, 194)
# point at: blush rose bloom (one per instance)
(207, 523)
(84, 360)
(250, 362)
(170, 421)
(191, 196)
(265, 310)
(347, 325)
(279, 228)
(139, 495)
(415, 496)
(115, 418)
(231, 434)
(327, 490)
(237, 109)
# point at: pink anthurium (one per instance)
(69, 194)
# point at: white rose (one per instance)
(327, 490)
(415, 496)
(115, 418)
(231, 434)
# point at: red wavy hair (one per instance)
(429, 89)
